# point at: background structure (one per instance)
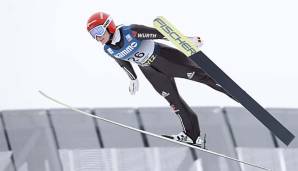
(63, 140)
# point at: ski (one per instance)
(193, 52)
(147, 133)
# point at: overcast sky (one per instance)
(45, 45)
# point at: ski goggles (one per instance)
(97, 31)
(100, 29)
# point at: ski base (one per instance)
(243, 98)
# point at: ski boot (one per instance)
(182, 137)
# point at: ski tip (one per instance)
(42, 93)
(156, 18)
(159, 17)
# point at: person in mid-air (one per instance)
(158, 62)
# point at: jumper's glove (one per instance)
(197, 41)
(134, 86)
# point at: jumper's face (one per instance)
(104, 38)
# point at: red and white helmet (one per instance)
(99, 22)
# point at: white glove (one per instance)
(197, 41)
(134, 86)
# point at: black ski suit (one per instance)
(160, 69)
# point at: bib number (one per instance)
(139, 54)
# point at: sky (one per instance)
(45, 46)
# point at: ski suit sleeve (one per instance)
(143, 32)
(127, 67)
